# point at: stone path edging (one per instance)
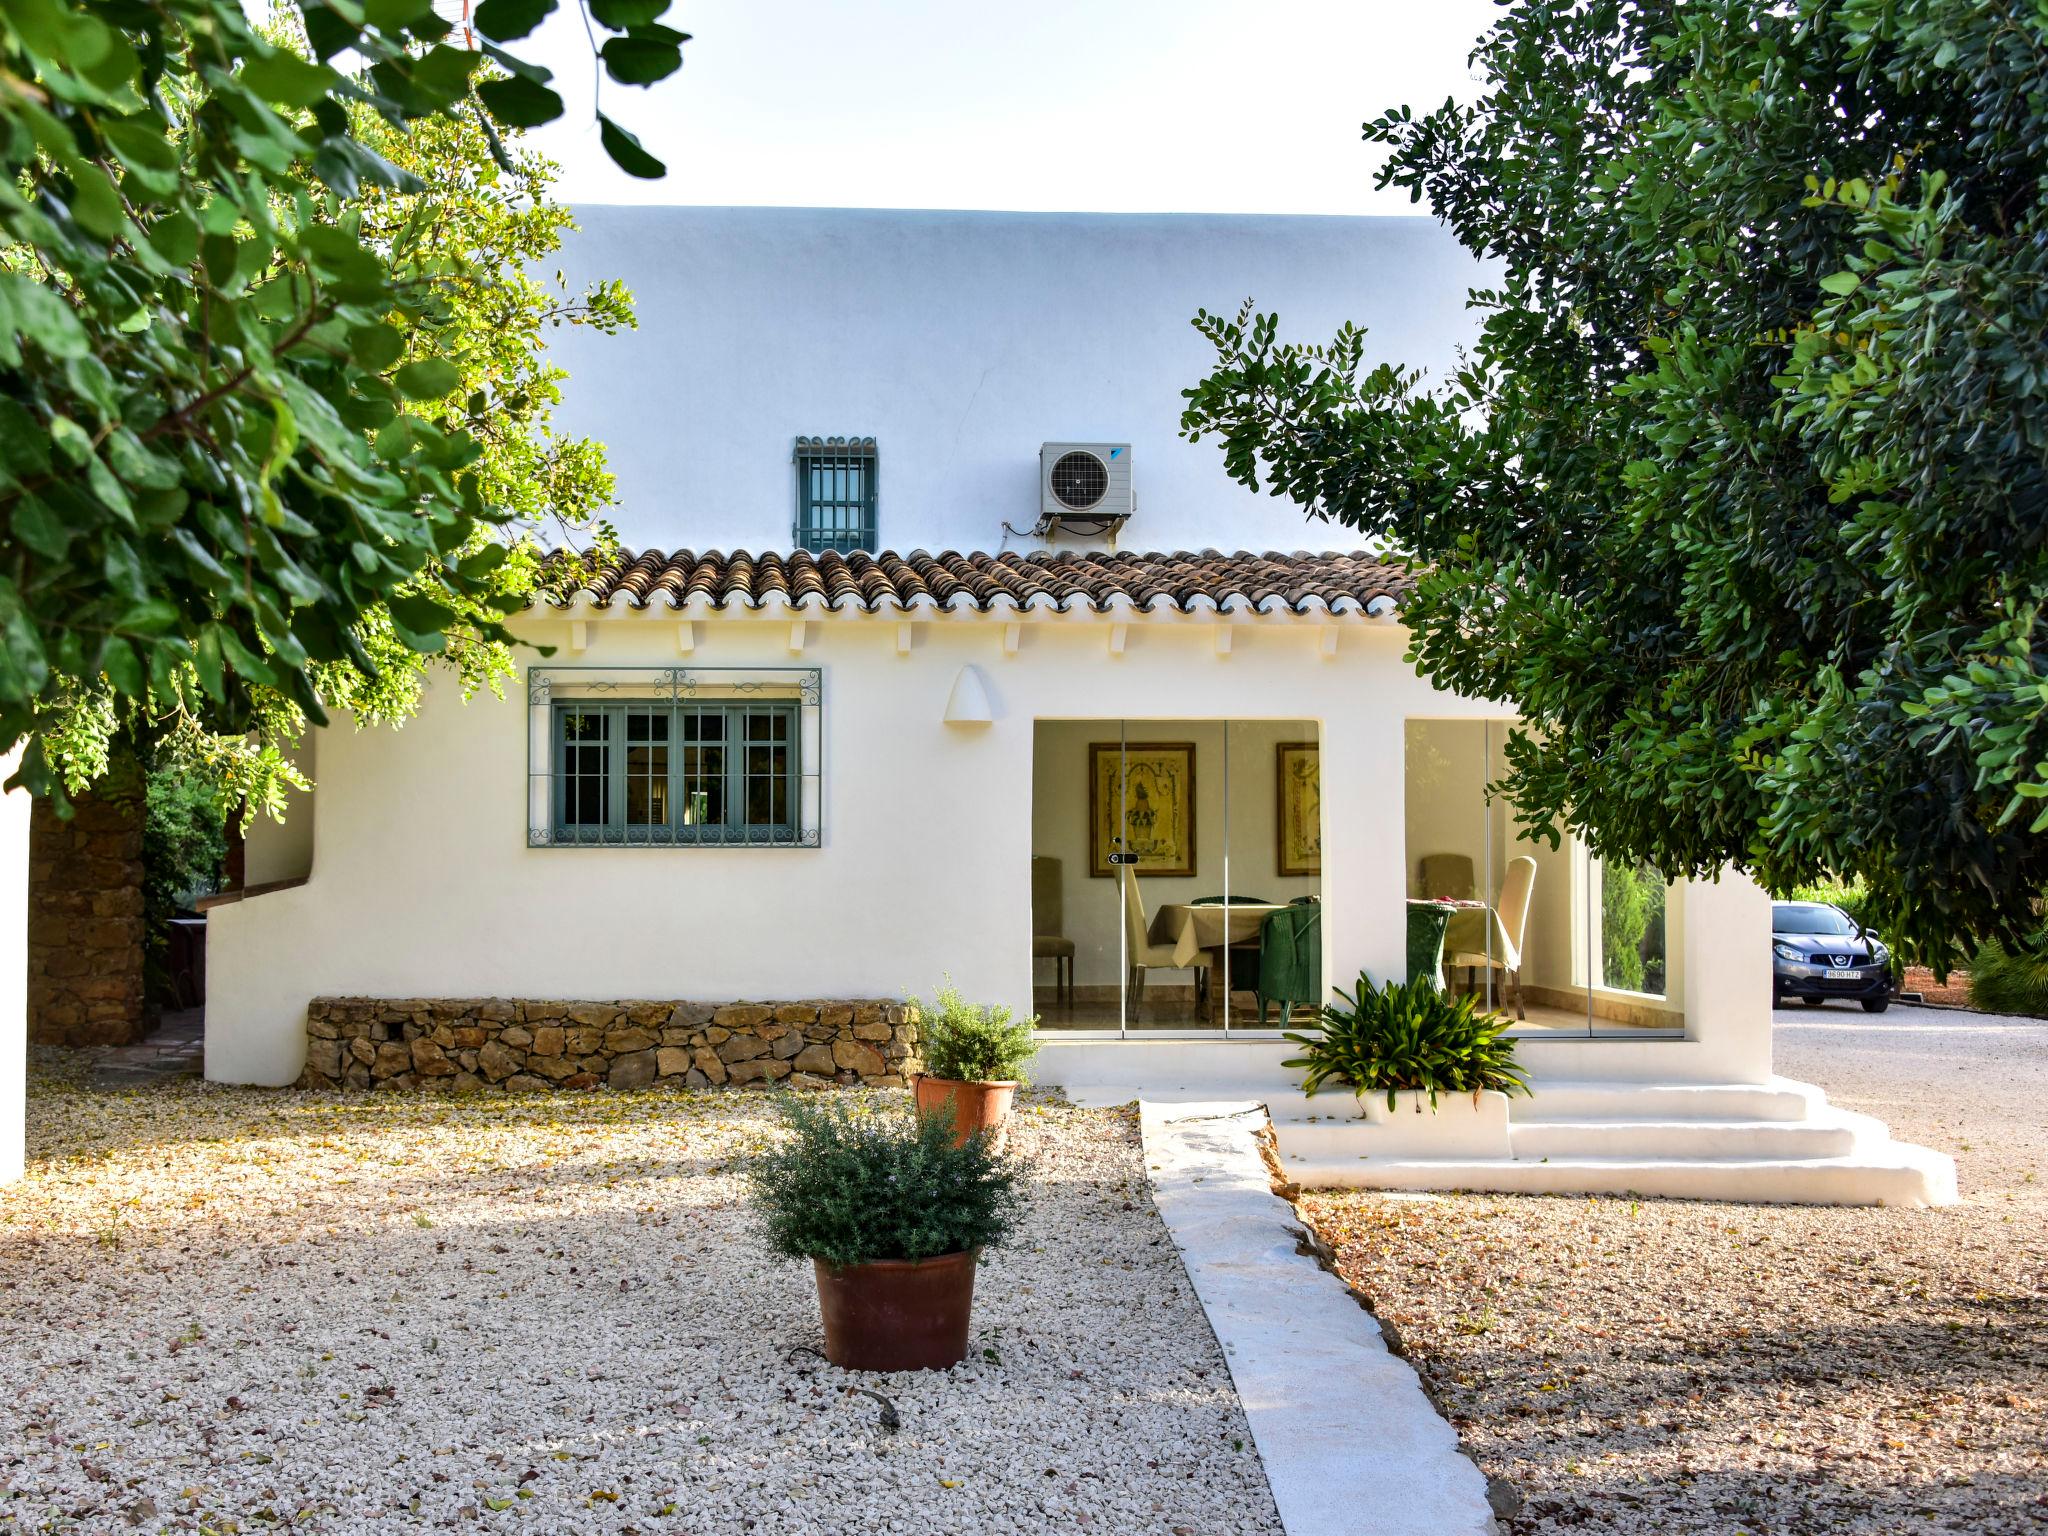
(1350, 1443)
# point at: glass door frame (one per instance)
(1125, 1029)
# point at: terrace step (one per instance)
(1894, 1174)
(1832, 1136)
(1778, 1099)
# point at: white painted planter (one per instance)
(1459, 1126)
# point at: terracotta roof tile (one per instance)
(1301, 582)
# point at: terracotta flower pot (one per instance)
(894, 1315)
(976, 1106)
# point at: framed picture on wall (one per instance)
(1155, 815)
(1300, 827)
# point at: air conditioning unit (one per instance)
(1084, 488)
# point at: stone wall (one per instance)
(464, 1045)
(85, 921)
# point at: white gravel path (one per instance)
(233, 1310)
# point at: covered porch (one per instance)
(1179, 884)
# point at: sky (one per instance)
(1130, 106)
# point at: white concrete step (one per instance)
(1828, 1137)
(1893, 1173)
(1102, 1072)
(1779, 1099)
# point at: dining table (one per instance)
(1211, 928)
(1475, 928)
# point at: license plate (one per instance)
(1841, 973)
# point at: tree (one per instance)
(496, 228)
(1741, 496)
(484, 223)
(238, 460)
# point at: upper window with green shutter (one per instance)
(835, 494)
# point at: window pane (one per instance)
(1632, 928)
(835, 500)
(585, 800)
(766, 765)
(647, 746)
(704, 767)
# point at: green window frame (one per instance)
(835, 494)
(663, 772)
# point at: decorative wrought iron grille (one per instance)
(835, 493)
(675, 757)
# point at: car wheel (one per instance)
(1876, 1004)
(1813, 1002)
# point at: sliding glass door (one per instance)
(1176, 875)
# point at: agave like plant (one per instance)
(1407, 1035)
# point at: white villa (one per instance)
(940, 653)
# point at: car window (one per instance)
(1810, 919)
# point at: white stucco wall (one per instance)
(423, 884)
(961, 342)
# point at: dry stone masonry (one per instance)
(86, 928)
(466, 1045)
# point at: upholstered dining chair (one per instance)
(1049, 939)
(1146, 955)
(1513, 911)
(1447, 876)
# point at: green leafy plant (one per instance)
(1632, 927)
(855, 1183)
(1407, 1036)
(1849, 895)
(1738, 493)
(184, 851)
(2010, 980)
(972, 1042)
(240, 433)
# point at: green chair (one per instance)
(1426, 927)
(1291, 961)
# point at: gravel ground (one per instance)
(1682, 1366)
(232, 1310)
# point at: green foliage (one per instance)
(973, 1043)
(2010, 980)
(1741, 496)
(237, 454)
(1404, 1036)
(1849, 895)
(1632, 927)
(184, 840)
(855, 1183)
(184, 846)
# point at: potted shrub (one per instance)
(893, 1212)
(974, 1060)
(1408, 1037)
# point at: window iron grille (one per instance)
(668, 757)
(835, 494)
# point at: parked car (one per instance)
(1818, 951)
